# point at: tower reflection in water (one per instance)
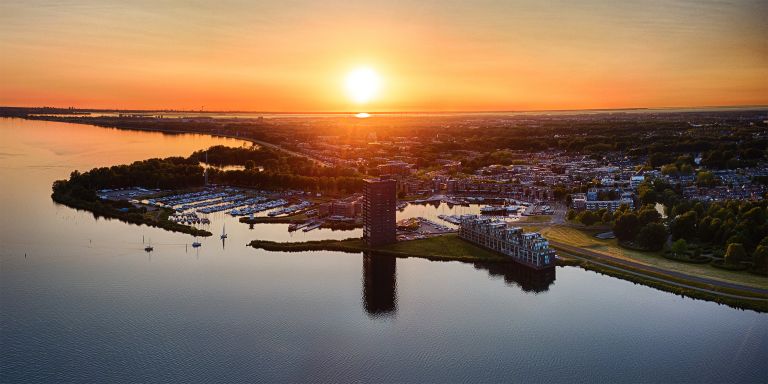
(379, 284)
(380, 281)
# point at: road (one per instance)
(632, 267)
(288, 151)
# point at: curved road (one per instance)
(288, 151)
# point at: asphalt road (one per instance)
(288, 151)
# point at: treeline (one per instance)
(80, 192)
(168, 173)
(240, 128)
(722, 224)
(223, 155)
(727, 152)
(726, 139)
(280, 180)
(179, 172)
(717, 224)
(642, 229)
(271, 160)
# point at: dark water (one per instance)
(87, 304)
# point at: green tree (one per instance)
(648, 214)
(652, 236)
(740, 239)
(670, 170)
(704, 229)
(706, 179)
(760, 258)
(607, 217)
(684, 226)
(735, 253)
(648, 196)
(679, 247)
(755, 216)
(658, 159)
(588, 218)
(625, 227)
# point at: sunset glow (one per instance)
(515, 55)
(362, 85)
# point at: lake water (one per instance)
(87, 304)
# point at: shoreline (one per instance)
(75, 120)
(745, 298)
(401, 249)
(585, 263)
(108, 213)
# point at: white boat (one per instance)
(223, 231)
(312, 226)
(493, 209)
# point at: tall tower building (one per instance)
(379, 207)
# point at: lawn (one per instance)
(449, 245)
(445, 247)
(585, 239)
(536, 219)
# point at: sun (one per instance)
(362, 85)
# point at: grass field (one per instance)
(536, 219)
(584, 238)
(449, 245)
(446, 247)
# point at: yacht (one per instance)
(223, 232)
(493, 209)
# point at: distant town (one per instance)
(635, 193)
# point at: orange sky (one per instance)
(431, 55)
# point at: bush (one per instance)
(679, 247)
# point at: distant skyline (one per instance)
(431, 56)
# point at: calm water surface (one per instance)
(87, 304)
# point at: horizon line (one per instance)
(490, 111)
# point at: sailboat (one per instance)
(223, 232)
(149, 247)
(196, 243)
